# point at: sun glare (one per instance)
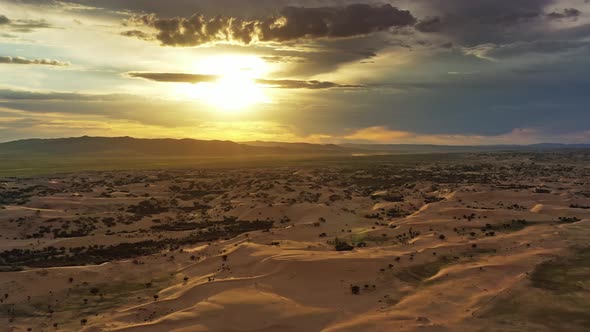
(236, 89)
(234, 93)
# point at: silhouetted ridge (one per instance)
(129, 146)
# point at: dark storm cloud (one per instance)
(25, 61)
(172, 8)
(470, 22)
(292, 23)
(198, 78)
(506, 30)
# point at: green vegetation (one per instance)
(418, 273)
(51, 256)
(557, 299)
(570, 274)
(86, 301)
(341, 245)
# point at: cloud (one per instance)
(468, 22)
(297, 84)
(4, 20)
(150, 111)
(24, 26)
(282, 59)
(379, 134)
(138, 34)
(24, 61)
(172, 8)
(328, 55)
(30, 25)
(429, 24)
(570, 13)
(509, 31)
(293, 23)
(383, 135)
(199, 78)
(8, 94)
(174, 77)
(523, 48)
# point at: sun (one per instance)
(234, 93)
(236, 88)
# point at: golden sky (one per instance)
(440, 72)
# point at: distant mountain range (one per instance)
(128, 146)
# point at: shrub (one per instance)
(340, 245)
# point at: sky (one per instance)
(456, 72)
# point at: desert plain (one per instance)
(458, 242)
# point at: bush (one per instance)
(340, 245)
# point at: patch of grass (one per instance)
(81, 301)
(557, 297)
(12, 310)
(357, 238)
(377, 239)
(110, 295)
(418, 273)
(564, 275)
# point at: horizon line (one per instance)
(293, 142)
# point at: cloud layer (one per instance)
(292, 23)
(199, 78)
(23, 25)
(24, 61)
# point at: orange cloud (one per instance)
(383, 135)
